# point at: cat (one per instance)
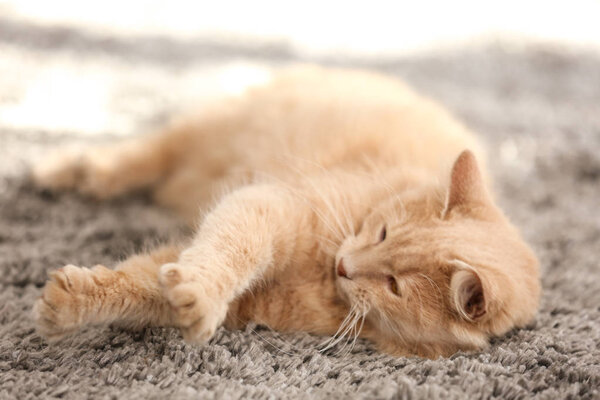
(332, 201)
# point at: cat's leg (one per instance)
(250, 234)
(107, 171)
(130, 295)
(111, 170)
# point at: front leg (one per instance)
(243, 239)
(129, 295)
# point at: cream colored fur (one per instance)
(329, 201)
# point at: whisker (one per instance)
(344, 206)
(352, 337)
(325, 200)
(379, 176)
(432, 283)
(360, 328)
(422, 311)
(345, 333)
(387, 320)
(331, 242)
(348, 326)
(330, 174)
(298, 194)
(342, 325)
(272, 344)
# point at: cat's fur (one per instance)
(350, 202)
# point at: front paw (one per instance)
(61, 308)
(199, 311)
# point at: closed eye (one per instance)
(382, 234)
(393, 285)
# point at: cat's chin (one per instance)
(343, 290)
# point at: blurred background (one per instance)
(68, 66)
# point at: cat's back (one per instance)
(342, 116)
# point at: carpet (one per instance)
(537, 107)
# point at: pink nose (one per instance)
(341, 271)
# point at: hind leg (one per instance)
(198, 149)
(130, 295)
(107, 171)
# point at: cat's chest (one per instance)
(301, 294)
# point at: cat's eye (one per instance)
(382, 234)
(393, 285)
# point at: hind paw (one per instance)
(91, 173)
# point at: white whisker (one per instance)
(342, 325)
(359, 330)
(347, 215)
(325, 200)
(272, 344)
(338, 235)
(432, 283)
(345, 327)
(344, 334)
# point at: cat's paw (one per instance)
(61, 309)
(59, 170)
(199, 311)
(91, 173)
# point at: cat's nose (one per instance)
(341, 271)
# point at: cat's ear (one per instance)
(468, 294)
(467, 191)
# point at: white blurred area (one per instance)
(65, 92)
(80, 97)
(373, 27)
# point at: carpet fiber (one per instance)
(537, 108)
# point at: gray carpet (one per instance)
(538, 108)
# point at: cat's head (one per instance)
(440, 273)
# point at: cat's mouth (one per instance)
(342, 280)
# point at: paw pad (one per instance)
(170, 275)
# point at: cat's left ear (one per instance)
(467, 191)
(468, 294)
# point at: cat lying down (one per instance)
(346, 205)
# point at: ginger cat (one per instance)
(346, 205)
